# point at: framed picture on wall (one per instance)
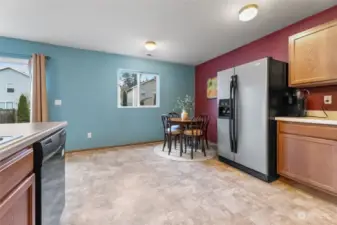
(212, 91)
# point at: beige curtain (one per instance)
(39, 102)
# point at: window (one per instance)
(9, 105)
(6, 105)
(137, 89)
(16, 80)
(10, 88)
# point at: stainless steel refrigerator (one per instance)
(249, 97)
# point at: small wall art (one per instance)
(212, 85)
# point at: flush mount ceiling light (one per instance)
(248, 12)
(150, 45)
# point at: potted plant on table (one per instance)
(186, 104)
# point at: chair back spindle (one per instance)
(174, 115)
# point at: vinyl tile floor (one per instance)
(133, 186)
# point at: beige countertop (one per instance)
(29, 133)
(314, 120)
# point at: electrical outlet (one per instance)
(89, 135)
(58, 102)
(328, 99)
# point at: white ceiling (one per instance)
(187, 31)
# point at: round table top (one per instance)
(179, 120)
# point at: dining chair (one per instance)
(196, 134)
(174, 115)
(207, 119)
(170, 132)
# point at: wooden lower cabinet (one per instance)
(323, 164)
(17, 189)
(18, 207)
(293, 157)
(309, 160)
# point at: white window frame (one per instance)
(138, 106)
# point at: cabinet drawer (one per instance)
(309, 130)
(14, 169)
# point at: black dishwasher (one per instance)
(49, 168)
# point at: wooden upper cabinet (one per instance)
(313, 56)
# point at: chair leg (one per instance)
(203, 146)
(175, 142)
(181, 144)
(188, 144)
(185, 143)
(165, 140)
(192, 149)
(170, 144)
(206, 138)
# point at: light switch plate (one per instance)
(89, 135)
(328, 99)
(58, 102)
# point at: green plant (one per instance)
(186, 103)
(23, 114)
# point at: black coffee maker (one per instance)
(297, 102)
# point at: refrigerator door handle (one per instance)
(231, 116)
(234, 129)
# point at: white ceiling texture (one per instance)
(186, 31)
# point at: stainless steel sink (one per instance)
(6, 139)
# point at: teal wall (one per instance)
(86, 82)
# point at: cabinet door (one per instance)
(322, 163)
(313, 56)
(310, 160)
(293, 157)
(18, 208)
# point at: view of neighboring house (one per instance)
(147, 93)
(13, 83)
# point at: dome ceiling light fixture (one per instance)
(248, 12)
(150, 45)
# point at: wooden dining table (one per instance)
(179, 121)
(183, 123)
